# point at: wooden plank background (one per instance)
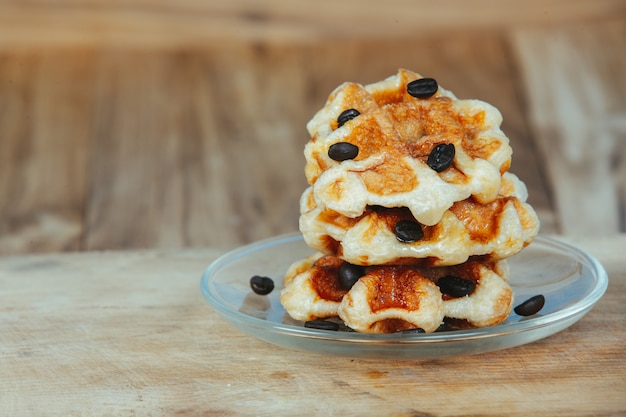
(149, 123)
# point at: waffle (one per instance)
(498, 229)
(409, 192)
(312, 289)
(393, 298)
(395, 133)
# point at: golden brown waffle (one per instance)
(499, 229)
(392, 298)
(395, 133)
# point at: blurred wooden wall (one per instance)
(149, 123)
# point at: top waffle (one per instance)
(394, 133)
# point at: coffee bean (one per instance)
(349, 274)
(441, 157)
(450, 324)
(530, 306)
(455, 286)
(408, 231)
(341, 151)
(422, 88)
(261, 285)
(412, 331)
(444, 327)
(346, 116)
(321, 325)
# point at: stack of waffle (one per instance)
(411, 209)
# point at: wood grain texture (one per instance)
(145, 23)
(45, 123)
(209, 156)
(577, 100)
(128, 333)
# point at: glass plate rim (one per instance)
(524, 325)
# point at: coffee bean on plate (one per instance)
(416, 330)
(321, 325)
(531, 306)
(261, 285)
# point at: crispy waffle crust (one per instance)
(395, 133)
(498, 229)
(393, 298)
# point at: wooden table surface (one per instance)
(129, 334)
(149, 123)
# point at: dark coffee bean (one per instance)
(408, 231)
(530, 306)
(456, 286)
(346, 116)
(422, 88)
(450, 324)
(441, 157)
(341, 151)
(321, 325)
(349, 274)
(261, 285)
(446, 327)
(412, 331)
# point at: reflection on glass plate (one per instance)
(571, 280)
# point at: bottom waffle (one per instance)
(392, 298)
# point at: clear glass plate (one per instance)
(571, 280)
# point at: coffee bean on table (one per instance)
(456, 286)
(408, 231)
(422, 88)
(346, 116)
(531, 306)
(321, 325)
(441, 157)
(261, 285)
(349, 274)
(342, 151)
